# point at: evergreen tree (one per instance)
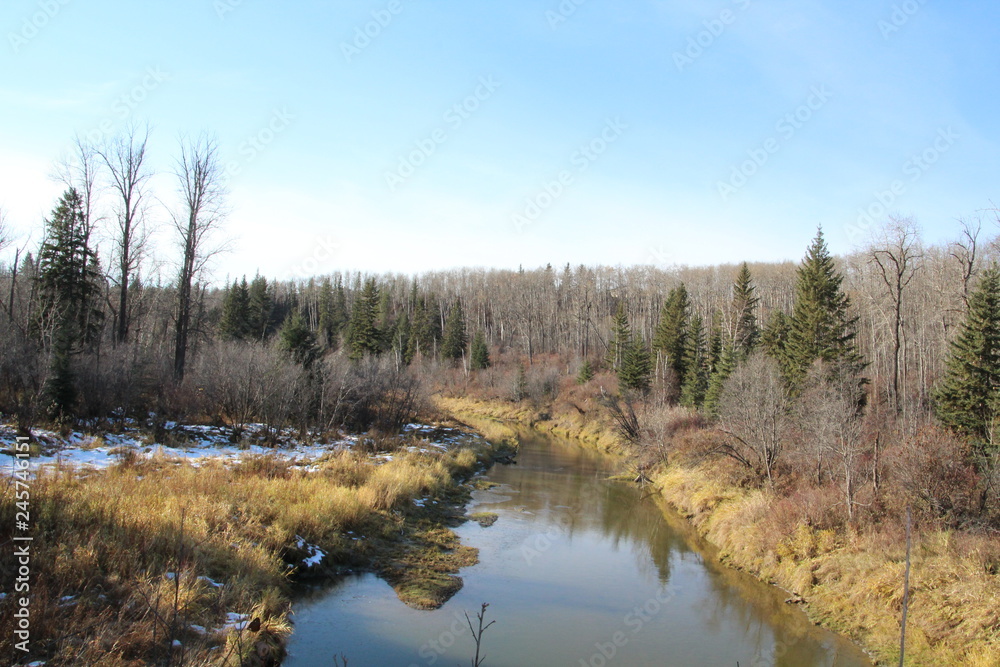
(820, 326)
(480, 353)
(586, 373)
(695, 381)
(297, 339)
(455, 339)
(260, 307)
(235, 322)
(60, 385)
(363, 336)
(621, 338)
(715, 343)
(774, 338)
(671, 332)
(745, 302)
(520, 384)
(968, 397)
(636, 368)
(70, 281)
(717, 380)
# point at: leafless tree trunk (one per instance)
(125, 158)
(202, 210)
(965, 251)
(80, 171)
(753, 413)
(896, 252)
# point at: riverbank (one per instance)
(192, 558)
(848, 580)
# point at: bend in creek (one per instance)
(578, 570)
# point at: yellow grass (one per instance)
(109, 538)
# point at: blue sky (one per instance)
(507, 133)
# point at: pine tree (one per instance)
(636, 367)
(968, 397)
(820, 326)
(745, 301)
(520, 384)
(260, 308)
(60, 385)
(69, 276)
(297, 339)
(363, 336)
(480, 354)
(235, 322)
(586, 373)
(774, 338)
(695, 381)
(716, 382)
(621, 338)
(455, 339)
(715, 343)
(671, 332)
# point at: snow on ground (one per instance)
(197, 443)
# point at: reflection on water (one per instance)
(578, 571)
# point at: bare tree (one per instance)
(829, 411)
(202, 210)
(753, 413)
(79, 171)
(966, 252)
(896, 253)
(125, 158)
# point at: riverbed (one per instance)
(577, 570)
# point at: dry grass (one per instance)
(136, 545)
(852, 581)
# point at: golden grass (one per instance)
(852, 581)
(136, 545)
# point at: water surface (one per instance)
(578, 571)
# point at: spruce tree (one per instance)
(695, 381)
(745, 301)
(586, 372)
(820, 326)
(70, 281)
(715, 344)
(671, 332)
(235, 322)
(260, 308)
(621, 338)
(717, 380)
(455, 339)
(297, 339)
(363, 336)
(774, 338)
(60, 385)
(480, 354)
(968, 397)
(636, 367)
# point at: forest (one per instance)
(862, 388)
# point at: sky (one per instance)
(405, 136)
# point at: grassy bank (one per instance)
(850, 580)
(577, 418)
(159, 561)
